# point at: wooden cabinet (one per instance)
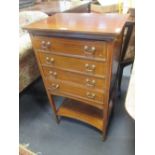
(78, 56)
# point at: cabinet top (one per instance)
(81, 23)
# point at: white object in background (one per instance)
(108, 2)
(126, 4)
(130, 97)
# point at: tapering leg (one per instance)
(103, 136)
(105, 121)
(53, 106)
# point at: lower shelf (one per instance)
(83, 112)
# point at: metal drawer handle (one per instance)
(91, 95)
(45, 45)
(48, 44)
(54, 74)
(49, 60)
(54, 86)
(89, 50)
(90, 68)
(90, 83)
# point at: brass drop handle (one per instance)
(54, 74)
(49, 60)
(89, 67)
(89, 50)
(48, 44)
(52, 60)
(91, 95)
(54, 86)
(90, 83)
(45, 45)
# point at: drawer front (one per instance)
(86, 81)
(62, 87)
(86, 48)
(73, 64)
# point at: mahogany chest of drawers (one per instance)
(78, 56)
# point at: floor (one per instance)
(39, 130)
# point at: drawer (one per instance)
(66, 88)
(84, 80)
(73, 64)
(86, 48)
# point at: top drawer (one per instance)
(80, 47)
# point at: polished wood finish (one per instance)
(78, 47)
(72, 89)
(89, 81)
(68, 63)
(82, 112)
(53, 7)
(78, 56)
(107, 25)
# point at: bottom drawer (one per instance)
(66, 88)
